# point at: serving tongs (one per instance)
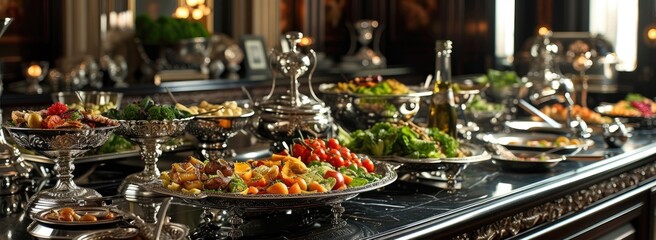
(536, 112)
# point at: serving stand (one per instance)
(62, 146)
(149, 135)
(237, 205)
(213, 133)
(12, 165)
(291, 114)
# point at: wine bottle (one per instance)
(443, 113)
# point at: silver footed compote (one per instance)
(149, 135)
(213, 133)
(62, 146)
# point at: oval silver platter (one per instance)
(277, 201)
(41, 217)
(508, 140)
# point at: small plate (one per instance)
(515, 141)
(518, 165)
(41, 216)
(534, 126)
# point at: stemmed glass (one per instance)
(149, 134)
(62, 146)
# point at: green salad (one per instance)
(386, 139)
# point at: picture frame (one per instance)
(256, 60)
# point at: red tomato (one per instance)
(368, 164)
(321, 142)
(313, 157)
(298, 150)
(333, 152)
(356, 161)
(321, 153)
(339, 179)
(345, 152)
(337, 161)
(333, 143)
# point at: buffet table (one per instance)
(579, 199)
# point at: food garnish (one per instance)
(59, 116)
(278, 175)
(226, 109)
(559, 112)
(404, 139)
(560, 141)
(68, 214)
(147, 109)
(372, 85)
(634, 105)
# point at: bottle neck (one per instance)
(442, 68)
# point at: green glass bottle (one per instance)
(443, 113)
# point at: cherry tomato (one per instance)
(368, 164)
(298, 150)
(337, 176)
(333, 152)
(356, 161)
(334, 143)
(321, 142)
(313, 157)
(321, 153)
(345, 152)
(337, 161)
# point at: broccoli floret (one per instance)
(146, 103)
(112, 113)
(180, 113)
(162, 112)
(131, 112)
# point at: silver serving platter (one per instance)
(519, 165)
(41, 217)
(478, 154)
(277, 201)
(174, 230)
(645, 122)
(533, 126)
(508, 140)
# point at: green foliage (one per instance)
(131, 112)
(167, 29)
(634, 97)
(161, 112)
(384, 139)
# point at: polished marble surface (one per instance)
(413, 199)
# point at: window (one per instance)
(617, 21)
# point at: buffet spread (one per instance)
(359, 146)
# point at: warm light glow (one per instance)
(651, 33)
(206, 10)
(200, 2)
(192, 3)
(197, 14)
(305, 41)
(543, 31)
(181, 12)
(34, 70)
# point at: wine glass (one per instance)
(149, 135)
(62, 146)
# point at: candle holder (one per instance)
(35, 72)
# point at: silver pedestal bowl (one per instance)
(62, 146)
(213, 132)
(149, 135)
(355, 111)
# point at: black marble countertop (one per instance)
(410, 207)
